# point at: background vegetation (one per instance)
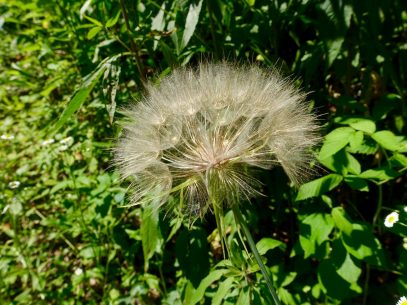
(65, 239)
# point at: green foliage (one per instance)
(67, 66)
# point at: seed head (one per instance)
(201, 132)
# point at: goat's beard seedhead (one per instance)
(201, 131)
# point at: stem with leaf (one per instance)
(241, 222)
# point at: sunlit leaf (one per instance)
(93, 32)
(150, 233)
(191, 22)
(335, 141)
(319, 186)
(80, 96)
(388, 140)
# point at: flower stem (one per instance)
(217, 210)
(239, 219)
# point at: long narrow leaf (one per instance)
(83, 92)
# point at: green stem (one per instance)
(239, 219)
(366, 286)
(139, 63)
(217, 210)
(379, 205)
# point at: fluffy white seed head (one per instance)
(201, 131)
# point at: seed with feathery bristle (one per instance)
(201, 130)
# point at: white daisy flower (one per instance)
(47, 142)
(7, 137)
(63, 147)
(14, 184)
(402, 301)
(78, 271)
(391, 219)
(68, 141)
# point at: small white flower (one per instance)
(78, 271)
(14, 184)
(47, 142)
(67, 141)
(70, 196)
(63, 147)
(402, 301)
(7, 137)
(391, 219)
(405, 209)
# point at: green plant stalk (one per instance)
(134, 48)
(239, 219)
(217, 210)
(379, 206)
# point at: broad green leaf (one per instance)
(334, 274)
(403, 145)
(335, 141)
(319, 186)
(285, 296)
(267, 243)
(367, 147)
(341, 220)
(236, 255)
(361, 124)
(357, 183)
(387, 140)
(93, 32)
(314, 231)
(365, 125)
(353, 165)
(356, 139)
(191, 22)
(399, 160)
(223, 289)
(83, 92)
(244, 297)
(349, 271)
(196, 295)
(363, 245)
(379, 174)
(150, 232)
(342, 163)
(191, 246)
